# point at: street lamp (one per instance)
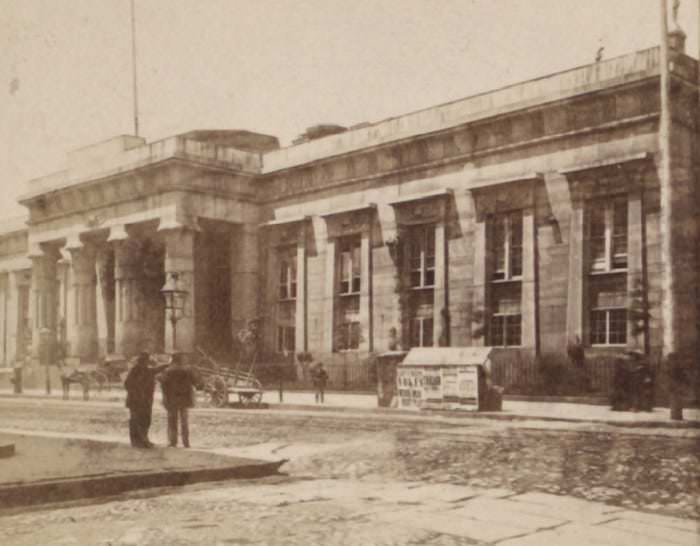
(174, 301)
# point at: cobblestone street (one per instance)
(361, 479)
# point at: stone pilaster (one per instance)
(479, 317)
(528, 304)
(300, 316)
(575, 317)
(328, 297)
(636, 278)
(441, 332)
(180, 263)
(365, 314)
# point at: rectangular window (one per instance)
(607, 234)
(505, 327)
(288, 276)
(422, 332)
(507, 246)
(421, 256)
(348, 336)
(286, 339)
(608, 310)
(350, 266)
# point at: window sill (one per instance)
(348, 294)
(506, 281)
(285, 300)
(428, 287)
(608, 272)
(608, 346)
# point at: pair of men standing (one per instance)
(177, 384)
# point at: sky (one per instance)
(276, 66)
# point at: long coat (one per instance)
(140, 384)
(178, 384)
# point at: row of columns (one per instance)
(92, 317)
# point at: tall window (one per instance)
(350, 272)
(422, 256)
(347, 336)
(507, 246)
(422, 332)
(288, 276)
(608, 309)
(505, 328)
(286, 339)
(607, 234)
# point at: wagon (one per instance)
(220, 382)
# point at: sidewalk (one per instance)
(512, 409)
(56, 467)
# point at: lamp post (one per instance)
(174, 297)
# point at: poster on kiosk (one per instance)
(443, 377)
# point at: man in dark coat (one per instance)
(319, 377)
(178, 384)
(140, 384)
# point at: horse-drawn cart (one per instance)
(220, 382)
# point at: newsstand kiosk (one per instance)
(447, 378)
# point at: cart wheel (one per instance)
(218, 393)
(250, 398)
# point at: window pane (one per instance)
(618, 326)
(513, 330)
(430, 277)
(292, 340)
(499, 248)
(516, 228)
(415, 278)
(516, 261)
(598, 327)
(280, 339)
(354, 335)
(427, 332)
(619, 235)
(345, 287)
(496, 332)
(429, 236)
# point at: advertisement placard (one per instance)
(468, 385)
(410, 387)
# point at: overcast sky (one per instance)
(278, 66)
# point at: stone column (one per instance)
(43, 295)
(105, 308)
(576, 318)
(15, 321)
(479, 295)
(127, 267)
(365, 312)
(244, 276)
(179, 261)
(82, 315)
(528, 301)
(329, 297)
(441, 334)
(300, 340)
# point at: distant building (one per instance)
(522, 218)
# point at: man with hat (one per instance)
(140, 384)
(178, 384)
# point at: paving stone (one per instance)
(660, 521)
(451, 524)
(566, 508)
(662, 534)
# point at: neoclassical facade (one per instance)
(524, 218)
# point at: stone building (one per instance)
(523, 218)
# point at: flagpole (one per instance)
(133, 69)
